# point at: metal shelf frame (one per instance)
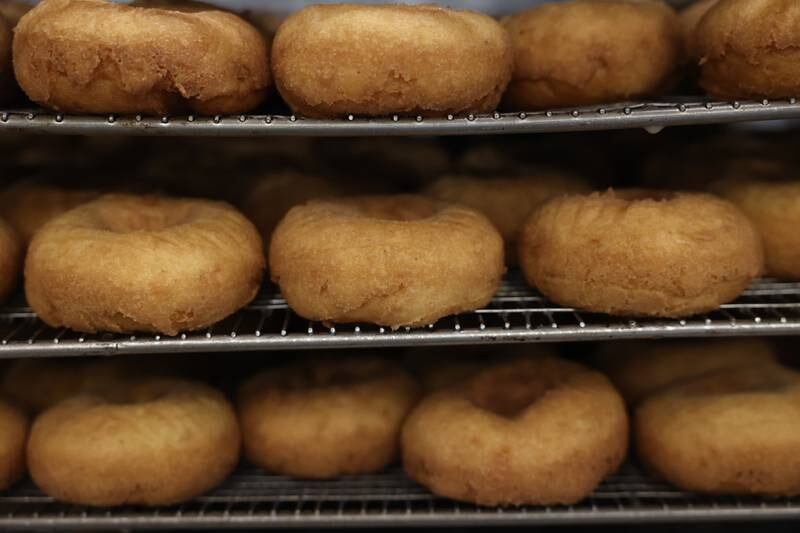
(652, 116)
(517, 314)
(253, 499)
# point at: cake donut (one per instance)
(333, 60)
(148, 442)
(126, 263)
(535, 431)
(325, 418)
(640, 253)
(394, 261)
(557, 65)
(731, 432)
(95, 56)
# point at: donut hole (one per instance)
(509, 390)
(147, 215)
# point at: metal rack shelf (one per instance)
(650, 115)
(516, 314)
(252, 499)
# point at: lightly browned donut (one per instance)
(324, 418)
(94, 56)
(750, 49)
(583, 52)
(394, 261)
(148, 442)
(13, 437)
(640, 252)
(334, 60)
(534, 431)
(125, 263)
(732, 432)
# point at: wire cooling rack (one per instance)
(252, 499)
(517, 314)
(652, 116)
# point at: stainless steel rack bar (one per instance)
(253, 499)
(650, 115)
(516, 315)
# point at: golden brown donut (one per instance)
(555, 65)
(325, 418)
(733, 432)
(750, 49)
(10, 259)
(690, 18)
(28, 206)
(640, 253)
(270, 197)
(139, 59)
(151, 442)
(773, 206)
(13, 437)
(530, 431)
(389, 260)
(639, 370)
(333, 60)
(506, 201)
(127, 263)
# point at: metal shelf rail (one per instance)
(652, 116)
(516, 314)
(253, 499)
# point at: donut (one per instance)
(150, 442)
(389, 260)
(334, 60)
(13, 436)
(640, 252)
(12, 11)
(36, 384)
(690, 17)
(506, 201)
(773, 206)
(536, 431)
(639, 370)
(556, 66)
(10, 259)
(125, 263)
(325, 418)
(733, 432)
(28, 206)
(749, 49)
(139, 59)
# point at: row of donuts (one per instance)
(492, 429)
(340, 258)
(335, 60)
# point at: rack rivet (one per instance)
(602, 111)
(496, 115)
(709, 106)
(242, 118)
(165, 120)
(268, 119)
(395, 118)
(737, 105)
(31, 116)
(351, 118)
(59, 118)
(111, 119)
(549, 114)
(681, 108)
(292, 118)
(792, 101)
(217, 119)
(450, 117)
(138, 118)
(4, 117)
(627, 111)
(470, 117)
(764, 102)
(523, 116)
(419, 118)
(190, 118)
(576, 113)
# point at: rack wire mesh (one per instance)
(649, 115)
(516, 314)
(253, 499)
